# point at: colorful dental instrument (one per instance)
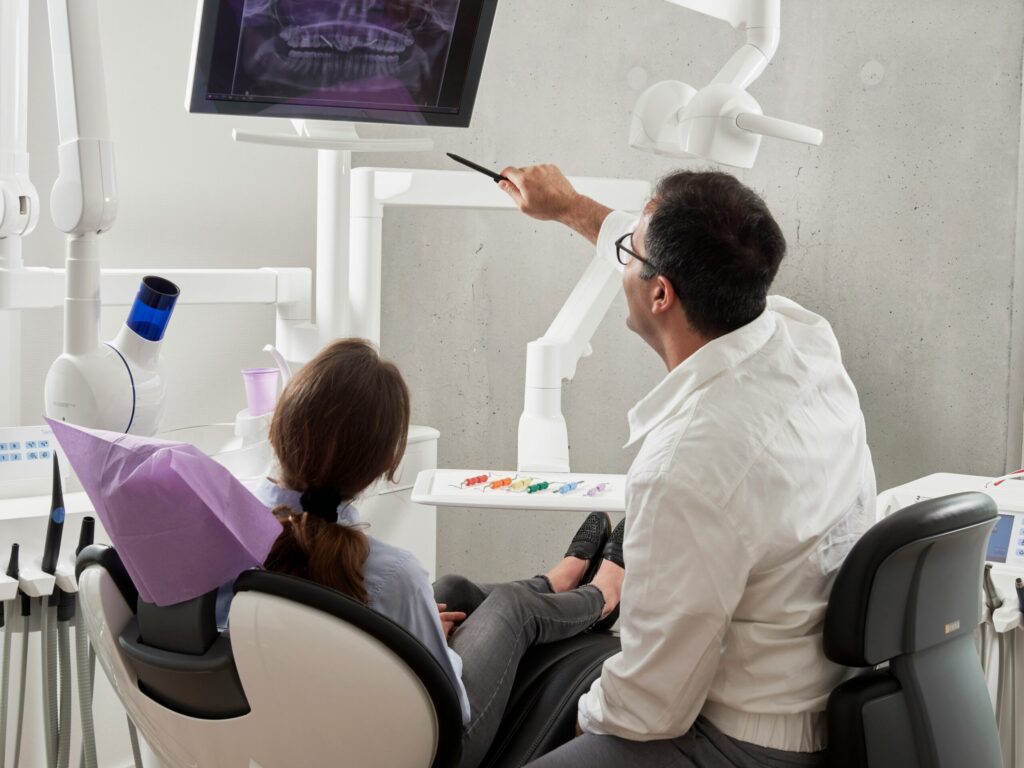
(521, 484)
(541, 486)
(476, 480)
(501, 483)
(599, 488)
(569, 487)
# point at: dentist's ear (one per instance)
(664, 295)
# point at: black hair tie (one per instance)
(321, 503)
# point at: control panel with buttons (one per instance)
(26, 456)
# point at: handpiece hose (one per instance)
(5, 665)
(85, 661)
(48, 634)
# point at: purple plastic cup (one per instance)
(260, 389)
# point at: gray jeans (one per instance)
(504, 621)
(703, 746)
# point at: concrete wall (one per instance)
(902, 228)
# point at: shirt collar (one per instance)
(273, 495)
(713, 358)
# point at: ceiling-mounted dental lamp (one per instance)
(720, 122)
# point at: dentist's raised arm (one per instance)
(543, 192)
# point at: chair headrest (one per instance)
(912, 581)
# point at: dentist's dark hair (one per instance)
(718, 244)
(341, 424)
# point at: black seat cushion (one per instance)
(541, 712)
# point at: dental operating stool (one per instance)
(905, 607)
(306, 676)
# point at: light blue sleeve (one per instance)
(408, 600)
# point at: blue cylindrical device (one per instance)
(153, 307)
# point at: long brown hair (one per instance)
(341, 424)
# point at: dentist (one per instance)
(753, 481)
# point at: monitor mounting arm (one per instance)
(720, 122)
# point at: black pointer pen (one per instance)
(478, 168)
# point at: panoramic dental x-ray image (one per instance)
(375, 51)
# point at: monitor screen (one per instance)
(999, 542)
(416, 62)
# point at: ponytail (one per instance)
(339, 425)
(327, 553)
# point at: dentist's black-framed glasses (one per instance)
(624, 253)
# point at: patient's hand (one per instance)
(449, 618)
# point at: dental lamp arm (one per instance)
(762, 21)
(720, 122)
(84, 198)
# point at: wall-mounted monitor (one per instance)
(415, 62)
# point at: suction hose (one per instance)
(86, 663)
(5, 690)
(85, 660)
(64, 721)
(5, 665)
(48, 646)
(136, 752)
(26, 613)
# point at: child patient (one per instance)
(340, 425)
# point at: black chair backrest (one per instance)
(909, 594)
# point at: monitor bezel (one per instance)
(199, 64)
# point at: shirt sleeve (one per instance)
(685, 574)
(408, 600)
(615, 225)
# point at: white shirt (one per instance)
(752, 484)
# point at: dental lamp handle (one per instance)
(779, 129)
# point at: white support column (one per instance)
(332, 237)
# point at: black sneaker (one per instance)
(589, 542)
(612, 552)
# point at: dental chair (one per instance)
(307, 676)
(908, 597)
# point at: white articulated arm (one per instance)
(83, 202)
(543, 437)
(84, 198)
(19, 201)
(720, 122)
(762, 21)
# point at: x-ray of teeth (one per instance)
(360, 51)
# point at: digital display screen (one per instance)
(999, 542)
(399, 61)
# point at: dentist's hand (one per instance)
(540, 191)
(543, 192)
